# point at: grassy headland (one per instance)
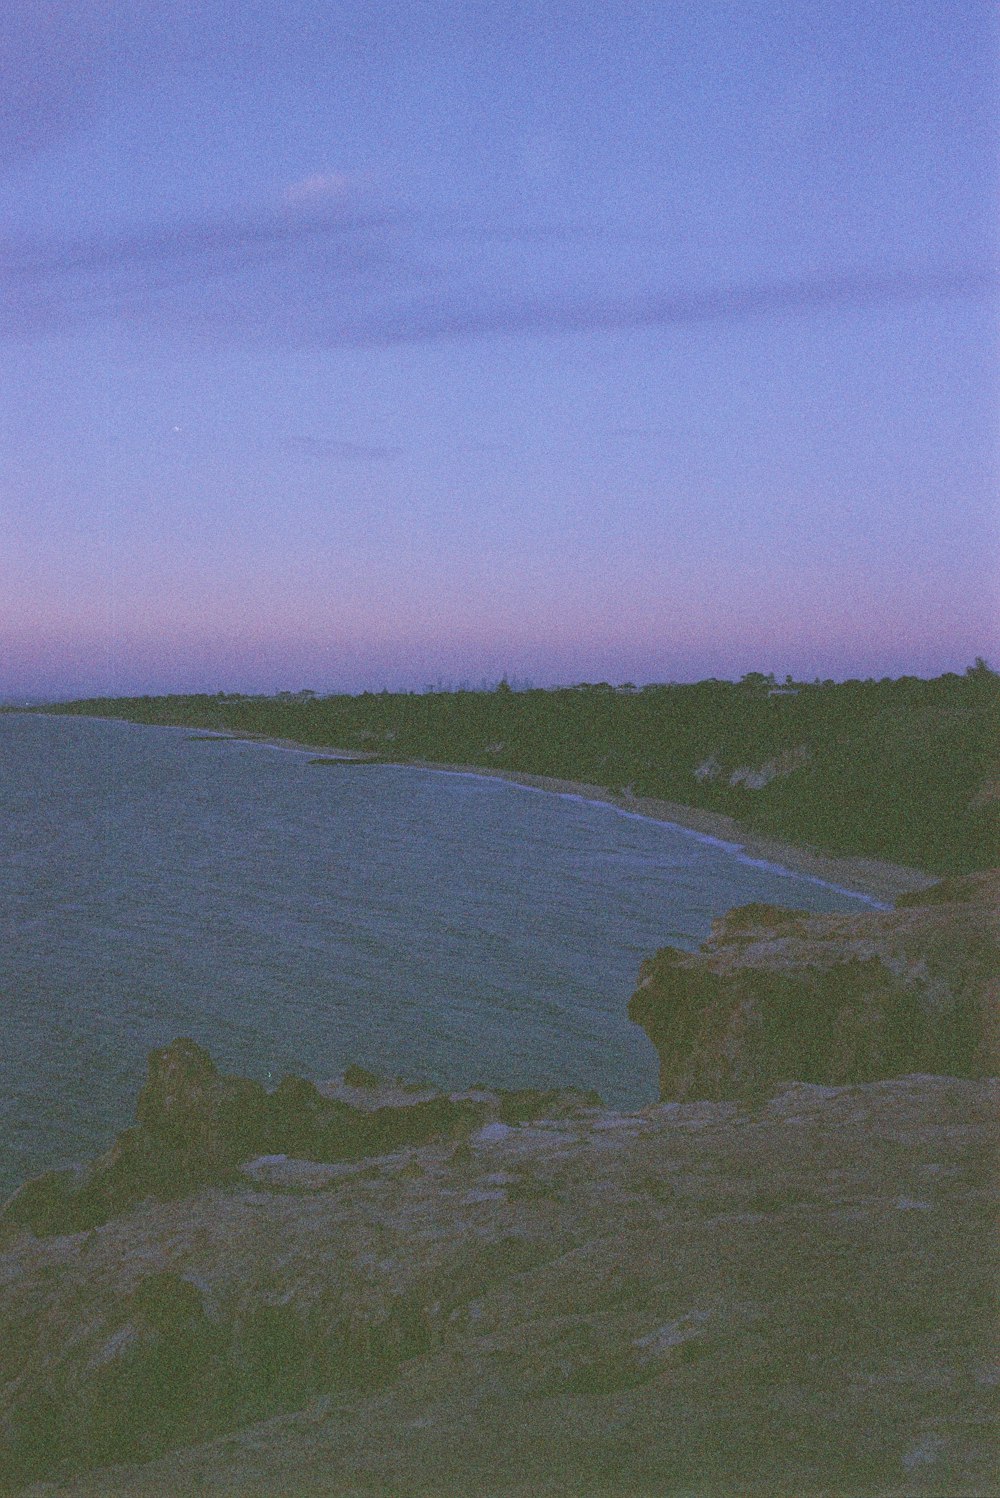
(905, 770)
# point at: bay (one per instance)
(297, 917)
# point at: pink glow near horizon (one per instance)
(349, 382)
(215, 656)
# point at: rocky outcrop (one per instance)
(368, 1288)
(693, 1298)
(776, 995)
(755, 777)
(195, 1127)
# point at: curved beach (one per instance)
(880, 881)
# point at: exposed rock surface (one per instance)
(196, 1126)
(755, 778)
(776, 994)
(696, 1298)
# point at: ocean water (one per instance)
(297, 917)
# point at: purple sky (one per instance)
(349, 344)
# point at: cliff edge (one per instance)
(785, 1283)
(777, 995)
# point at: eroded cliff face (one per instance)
(776, 995)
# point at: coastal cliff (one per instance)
(783, 1283)
(775, 995)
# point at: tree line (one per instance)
(904, 769)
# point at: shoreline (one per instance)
(872, 878)
(875, 879)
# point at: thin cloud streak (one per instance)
(726, 304)
(334, 278)
(250, 233)
(304, 218)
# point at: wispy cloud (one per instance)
(276, 266)
(236, 237)
(527, 315)
(313, 211)
(315, 272)
(332, 450)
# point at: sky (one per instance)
(350, 344)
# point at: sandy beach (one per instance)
(867, 876)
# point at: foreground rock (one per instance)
(196, 1127)
(695, 1298)
(777, 994)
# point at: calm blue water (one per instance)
(295, 917)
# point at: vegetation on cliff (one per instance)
(698, 1298)
(777, 994)
(906, 770)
